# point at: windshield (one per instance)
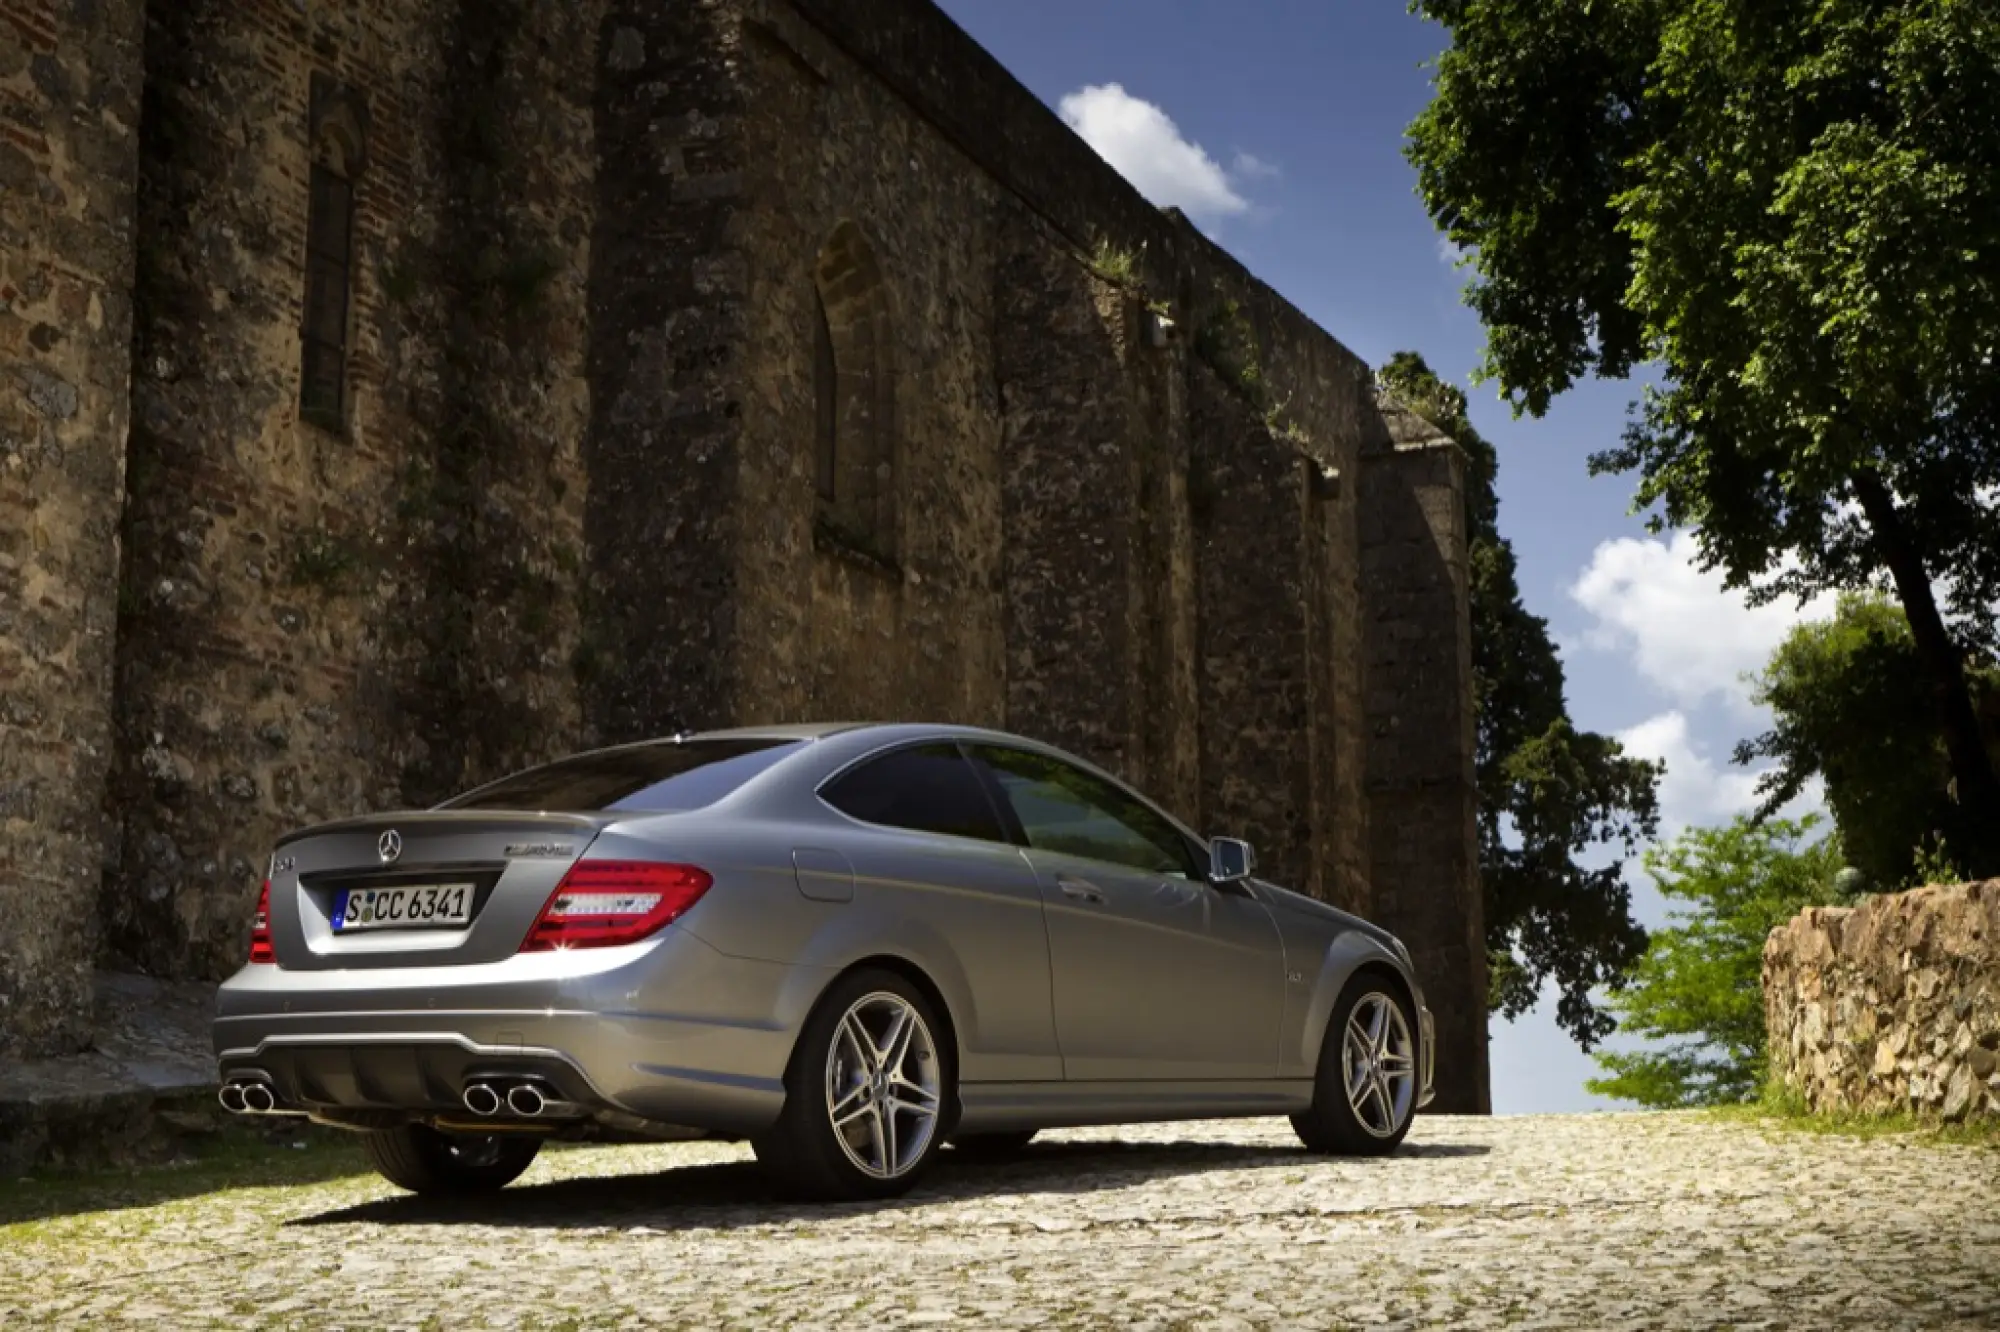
(653, 778)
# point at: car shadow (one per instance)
(734, 1194)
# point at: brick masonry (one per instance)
(1421, 789)
(317, 620)
(576, 497)
(70, 78)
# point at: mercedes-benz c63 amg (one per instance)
(849, 945)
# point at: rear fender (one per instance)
(846, 938)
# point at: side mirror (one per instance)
(1229, 860)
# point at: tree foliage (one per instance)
(1842, 710)
(1697, 993)
(1793, 212)
(1547, 792)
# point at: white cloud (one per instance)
(1698, 791)
(1694, 791)
(1143, 143)
(1449, 254)
(1685, 634)
(1249, 166)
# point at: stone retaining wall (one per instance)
(1893, 1005)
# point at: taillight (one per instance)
(260, 928)
(604, 902)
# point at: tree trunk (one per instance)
(1944, 669)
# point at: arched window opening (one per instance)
(826, 403)
(339, 152)
(855, 396)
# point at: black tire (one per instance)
(992, 1146)
(803, 1152)
(1333, 1124)
(423, 1160)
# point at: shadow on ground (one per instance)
(736, 1194)
(235, 1158)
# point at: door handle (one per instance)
(1077, 890)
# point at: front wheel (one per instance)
(864, 1095)
(1365, 1094)
(423, 1160)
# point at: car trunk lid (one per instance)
(432, 888)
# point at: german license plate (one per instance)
(411, 906)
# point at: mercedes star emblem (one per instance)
(390, 846)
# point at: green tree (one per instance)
(1842, 710)
(1793, 213)
(1557, 790)
(1699, 988)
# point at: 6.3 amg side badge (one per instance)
(389, 846)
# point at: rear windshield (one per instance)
(650, 778)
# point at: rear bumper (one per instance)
(669, 1031)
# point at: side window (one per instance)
(928, 788)
(1062, 808)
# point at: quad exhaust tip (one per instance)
(481, 1100)
(520, 1100)
(244, 1097)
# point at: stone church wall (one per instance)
(1892, 1005)
(620, 268)
(321, 616)
(1422, 792)
(70, 79)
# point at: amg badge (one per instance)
(523, 849)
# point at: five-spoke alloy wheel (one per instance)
(1366, 1091)
(882, 1082)
(865, 1095)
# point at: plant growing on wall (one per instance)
(1697, 994)
(1547, 792)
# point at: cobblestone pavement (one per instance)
(1572, 1222)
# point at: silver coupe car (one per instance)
(850, 945)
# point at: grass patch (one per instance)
(1779, 1107)
(323, 560)
(1115, 264)
(234, 1158)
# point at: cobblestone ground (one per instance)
(1572, 1222)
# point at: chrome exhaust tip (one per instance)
(231, 1096)
(258, 1100)
(481, 1100)
(525, 1100)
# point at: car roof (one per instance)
(797, 731)
(860, 738)
(886, 731)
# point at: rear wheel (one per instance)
(864, 1095)
(423, 1160)
(1365, 1094)
(992, 1146)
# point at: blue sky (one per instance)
(1278, 126)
